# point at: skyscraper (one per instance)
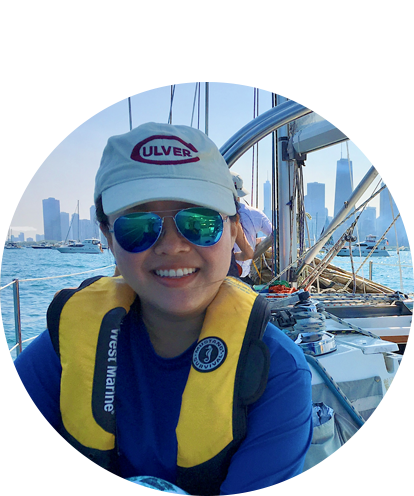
(343, 190)
(94, 223)
(75, 226)
(388, 208)
(64, 225)
(267, 200)
(367, 223)
(315, 206)
(51, 219)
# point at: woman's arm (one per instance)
(279, 426)
(247, 251)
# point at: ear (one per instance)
(105, 231)
(234, 229)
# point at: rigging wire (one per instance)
(373, 249)
(198, 114)
(171, 103)
(130, 113)
(194, 102)
(254, 116)
(300, 259)
(355, 218)
(257, 152)
(396, 241)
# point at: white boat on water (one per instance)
(92, 245)
(43, 246)
(367, 247)
(12, 246)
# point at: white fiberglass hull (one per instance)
(70, 249)
(356, 253)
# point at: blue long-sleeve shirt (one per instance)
(148, 398)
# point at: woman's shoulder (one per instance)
(283, 351)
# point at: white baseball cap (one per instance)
(238, 184)
(163, 162)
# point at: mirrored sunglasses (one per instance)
(139, 231)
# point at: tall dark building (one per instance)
(343, 190)
(64, 225)
(315, 206)
(51, 219)
(267, 200)
(367, 223)
(387, 209)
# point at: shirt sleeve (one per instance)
(266, 226)
(30, 413)
(279, 423)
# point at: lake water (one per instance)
(35, 296)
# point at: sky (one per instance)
(68, 172)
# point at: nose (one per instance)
(170, 241)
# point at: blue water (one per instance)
(35, 296)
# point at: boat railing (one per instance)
(18, 346)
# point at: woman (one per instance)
(209, 395)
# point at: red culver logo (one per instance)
(151, 151)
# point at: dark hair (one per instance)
(103, 220)
(101, 216)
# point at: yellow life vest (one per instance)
(229, 371)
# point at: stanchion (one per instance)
(17, 321)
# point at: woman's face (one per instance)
(181, 293)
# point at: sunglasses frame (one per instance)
(178, 211)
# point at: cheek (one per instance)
(222, 253)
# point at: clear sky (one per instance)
(68, 172)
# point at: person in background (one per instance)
(253, 221)
(171, 370)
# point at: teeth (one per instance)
(174, 273)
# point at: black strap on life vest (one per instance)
(250, 382)
(105, 459)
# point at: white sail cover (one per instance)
(368, 111)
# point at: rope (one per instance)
(373, 249)
(362, 206)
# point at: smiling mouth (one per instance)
(175, 273)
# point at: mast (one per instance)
(207, 97)
(286, 206)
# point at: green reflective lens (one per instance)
(201, 226)
(138, 231)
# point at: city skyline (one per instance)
(68, 172)
(60, 226)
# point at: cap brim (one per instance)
(126, 195)
(242, 192)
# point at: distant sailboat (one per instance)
(92, 245)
